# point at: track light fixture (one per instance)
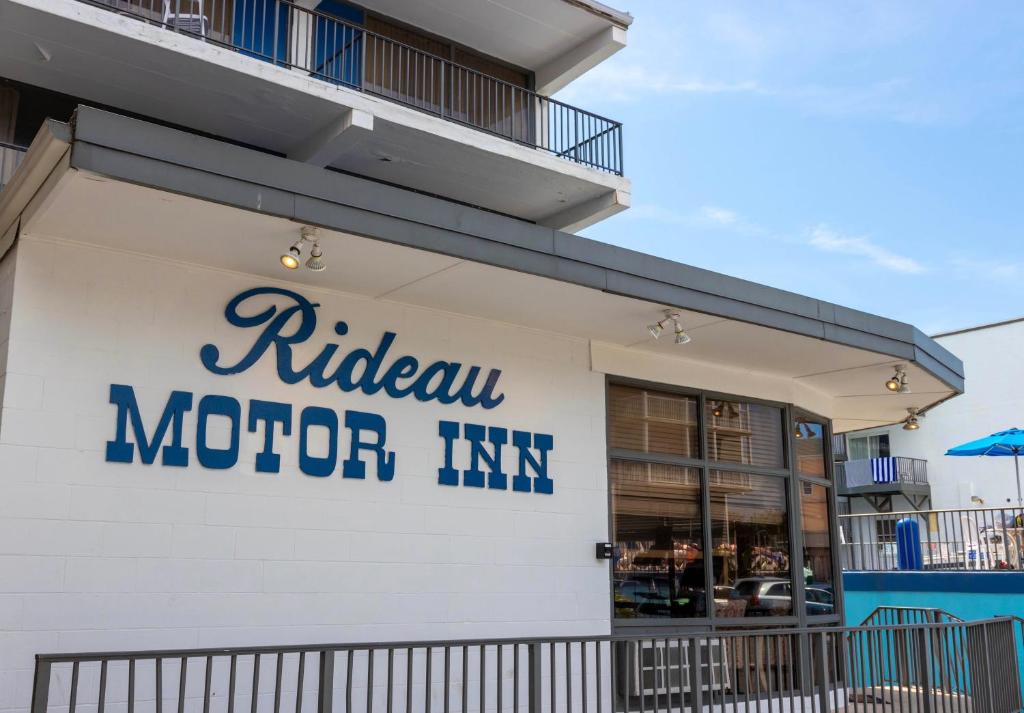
(910, 423)
(679, 334)
(899, 384)
(292, 259)
(316, 259)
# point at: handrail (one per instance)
(506, 641)
(913, 613)
(897, 513)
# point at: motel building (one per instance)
(312, 399)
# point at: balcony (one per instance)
(879, 479)
(323, 90)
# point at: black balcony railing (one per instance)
(927, 666)
(10, 158)
(345, 54)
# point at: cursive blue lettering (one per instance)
(359, 370)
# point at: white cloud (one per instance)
(828, 240)
(627, 82)
(721, 216)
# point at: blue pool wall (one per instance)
(968, 595)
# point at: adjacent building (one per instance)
(298, 345)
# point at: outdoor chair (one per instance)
(194, 21)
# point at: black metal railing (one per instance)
(345, 54)
(908, 616)
(866, 472)
(990, 539)
(11, 156)
(927, 666)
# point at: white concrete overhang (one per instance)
(125, 185)
(557, 40)
(118, 61)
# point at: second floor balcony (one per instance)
(879, 479)
(309, 84)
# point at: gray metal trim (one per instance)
(167, 159)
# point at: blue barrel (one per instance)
(908, 544)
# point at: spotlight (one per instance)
(716, 410)
(898, 384)
(316, 259)
(681, 336)
(293, 258)
(910, 423)
(290, 259)
(658, 327)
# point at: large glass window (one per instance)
(701, 493)
(659, 559)
(815, 494)
(750, 538)
(652, 422)
(817, 554)
(809, 448)
(750, 434)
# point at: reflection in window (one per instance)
(745, 433)
(652, 422)
(659, 558)
(750, 537)
(817, 559)
(809, 448)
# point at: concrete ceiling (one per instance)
(527, 33)
(101, 211)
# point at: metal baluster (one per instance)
(428, 685)
(231, 683)
(254, 697)
(131, 688)
(447, 677)
(483, 672)
(102, 699)
(391, 680)
(348, 681)
(74, 687)
(369, 680)
(465, 680)
(277, 683)
(408, 681)
(300, 677)
(551, 661)
(501, 680)
(207, 683)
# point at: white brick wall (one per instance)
(98, 555)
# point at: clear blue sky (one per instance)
(871, 154)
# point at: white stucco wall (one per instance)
(993, 401)
(101, 556)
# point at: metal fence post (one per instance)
(325, 690)
(924, 668)
(820, 664)
(535, 679)
(41, 686)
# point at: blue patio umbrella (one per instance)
(1004, 443)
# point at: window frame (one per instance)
(789, 413)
